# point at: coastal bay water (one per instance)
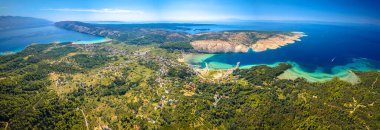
(17, 39)
(328, 50)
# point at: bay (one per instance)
(17, 39)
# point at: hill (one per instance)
(123, 86)
(140, 34)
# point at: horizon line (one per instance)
(210, 21)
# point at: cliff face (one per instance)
(217, 42)
(276, 41)
(217, 46)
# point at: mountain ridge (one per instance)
(15, 22)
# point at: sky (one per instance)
(350, 11)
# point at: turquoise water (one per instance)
(18, 39)
(329, 50)
(94, 40)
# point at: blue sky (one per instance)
(352, 11)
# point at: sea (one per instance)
(329, 50)
(15, 40)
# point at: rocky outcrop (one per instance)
(219, 42)
(217, 46)
(276, 41)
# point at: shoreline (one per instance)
(97, 41)
(277, 42)
(11, 52)
(343, 72)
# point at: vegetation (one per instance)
(137, 34)
(177, 46)
(16, 22)
(121, 86)
(165, 34)
(90, 61)
(261, 75)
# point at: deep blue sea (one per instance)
(18, 39)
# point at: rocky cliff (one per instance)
(217, 42)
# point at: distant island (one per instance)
(14, 22)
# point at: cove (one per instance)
(16, 40)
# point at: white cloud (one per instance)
(105, 10)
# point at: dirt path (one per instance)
(85, 119)
(34, 106)
(6, 125)
(375, 81)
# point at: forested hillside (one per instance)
(122, 86)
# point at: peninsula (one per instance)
(209, 42)
(216, 42)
